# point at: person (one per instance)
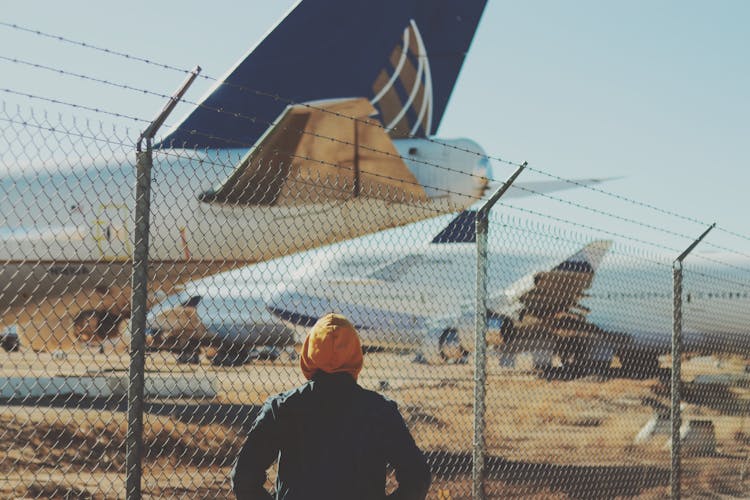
(333, 439)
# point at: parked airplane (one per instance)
(228, 311)
(582, 311)
(254, 177)
(246, 177)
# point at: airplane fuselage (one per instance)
(67, 230)
(430, 291)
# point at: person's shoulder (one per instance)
(289, 397)
(377, 401)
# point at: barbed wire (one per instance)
(91, 46)
(417, 184)
(548, 233)
(659, 246)
(252, 119)
(300, 157)
(319, 136)
(719, 278)
(277, 97)
(72, 105)
(628, 220)
(237, 143)
(497, 158)
(551, 233)
(664, 264)
(65, 132)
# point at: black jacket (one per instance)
(333, 440)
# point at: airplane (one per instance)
(243, 167)
(248, 176)
(582, 310)
(228, 312)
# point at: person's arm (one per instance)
(412, 471)
(258, 453)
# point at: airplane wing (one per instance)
(547, 294)
(320, 152)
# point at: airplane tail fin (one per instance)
(461, 229)
(402, 55)
(587, 259)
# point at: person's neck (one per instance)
(343, 378)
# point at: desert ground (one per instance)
(546, 437)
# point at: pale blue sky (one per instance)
(656, 92)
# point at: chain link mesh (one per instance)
(247, 251)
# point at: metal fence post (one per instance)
(480, 336)
(139, 296)
(676, 420)
(134, 452)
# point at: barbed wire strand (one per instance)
(659, 246)
(343, 142)
(72, 105)
(252, 119)
(497, 158)
(417, 184)
(436, 211)
(306, 158)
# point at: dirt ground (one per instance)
(545, 438)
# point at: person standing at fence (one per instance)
(333, 439)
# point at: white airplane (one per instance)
(580, 309)
(228, 311)
(246, 176)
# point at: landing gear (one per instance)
(95, 326)
(583, 357)
(450, 348)
(86, 325)
(190, 355)
(9, 342)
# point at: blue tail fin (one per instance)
(403, 55)
(462, 229)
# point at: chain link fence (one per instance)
(247, 250)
